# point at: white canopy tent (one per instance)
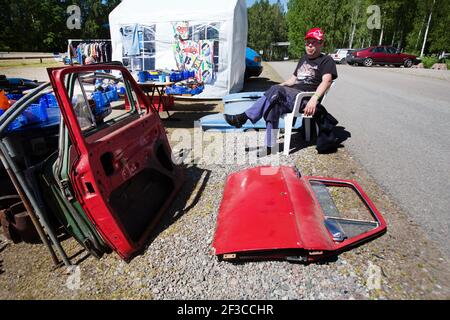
(208, 37)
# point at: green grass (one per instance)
(33, 63)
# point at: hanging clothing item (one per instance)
(99, 51)
(130, 40)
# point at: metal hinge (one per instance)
(297, 258)
(66, 189)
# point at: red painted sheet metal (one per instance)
(256, 214)
(132, 144)
(265, 209)
(309, 217)
(262, 211)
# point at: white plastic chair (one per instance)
(289, 119)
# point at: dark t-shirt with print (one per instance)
(309, 72)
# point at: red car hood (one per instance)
(273, 212)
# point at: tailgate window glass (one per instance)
(346, 213)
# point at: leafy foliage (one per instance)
(30, 25)
(267, 24)
(403, 24)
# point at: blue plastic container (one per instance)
(176, 76)
(100, 99)
(112, 95)
(101, 103)
(51, 101)
(122, 90)
(36, 113)
(197, 90)
(177, 90)
(19, 122)
(142, 76)
(14, 96)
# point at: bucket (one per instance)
(17, 225)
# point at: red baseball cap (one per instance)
(315, 33)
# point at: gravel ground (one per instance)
(179, 264)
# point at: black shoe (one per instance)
(236, 120)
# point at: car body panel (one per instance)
(253, 67)
(122, 175)
(69, 213)
(273, 212)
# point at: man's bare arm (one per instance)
(310, 109)
(289, 82)
(327, 80)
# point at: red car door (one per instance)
(392, 56)
(378, 54)
(121, 168)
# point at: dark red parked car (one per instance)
(381, 55)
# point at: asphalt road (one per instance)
(400, 125)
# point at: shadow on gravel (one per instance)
(196, 180)
(258, 84)
(196, 106)
(183, 119)
(298, 141)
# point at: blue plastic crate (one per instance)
(197, 90)
(121, 90)
(49, 100)
(18, 122)
(14, 96)
(142, 76)
(112, 93)
(102, 105)
(177, 90)
(176, 76)
(36, 113)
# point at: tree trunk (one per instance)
(381, 35)
(352, 36)
(401, 41)
(420, 32)
(426, 31)
(354, 26)
(393, 38)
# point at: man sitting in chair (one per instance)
(315, 72)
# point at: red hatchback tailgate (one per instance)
(283, 215)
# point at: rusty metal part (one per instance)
(23, 224)
(29, 208)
